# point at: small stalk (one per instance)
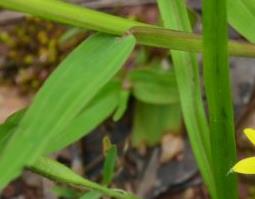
(146, 34)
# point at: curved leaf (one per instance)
(70, 88)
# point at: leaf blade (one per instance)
(97, 53)
(218, 93)
(174, 15)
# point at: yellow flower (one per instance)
(247, 165)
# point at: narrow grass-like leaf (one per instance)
(122, 104)
(152, 121)
(154, 86)
(218, 93)
(60, 173)
(70, 34)
(63, 12)
(174, 15)
(70, 88)
(111, 155)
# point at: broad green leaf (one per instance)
(219, 96)
(70, 88)
(174, 15)
(152, 121)
(97, 110)
(154, 86)
(60, 173)
(241, 15)
(111, 155)
(91, 116)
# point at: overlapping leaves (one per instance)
(62, 98)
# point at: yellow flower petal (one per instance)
(250, 133)
(245, 166)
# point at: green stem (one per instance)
(184, 41)
(93, 20)
(71, 14)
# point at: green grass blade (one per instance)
(174, 15)
(60, 173)
(93, 20)
(218, 93)
(71, 86)
(122, 104)
(111, 156)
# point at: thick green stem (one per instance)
(146, 34)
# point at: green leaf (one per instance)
(66, 92)
(60, 173)
(152, 121)
(64, 192)
(122, 104)
(70, 34)
(111, 155)
(8, 127)
(91, 195)
(89, 118)
(241, 13)
(154, 86)
(174, 15)
(219, 98)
